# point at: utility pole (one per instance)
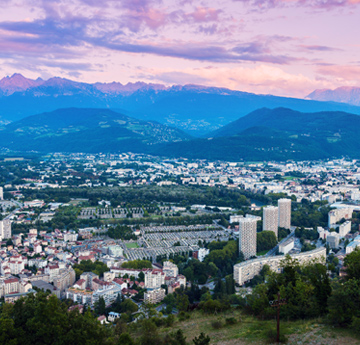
(276, 304)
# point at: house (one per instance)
(113, 316)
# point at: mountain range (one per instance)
(277, 134)
(344, 94)
(194, 109)
(265, 134)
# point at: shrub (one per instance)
(216, 324)
(230, 321)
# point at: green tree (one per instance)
(100, 306)
(202, 339)
(265, 240)
(352, 264)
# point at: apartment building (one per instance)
(247, 237)
(170, 269)
(154, 296)
(284, 206)
(247, 270)
(154, 279)
(271, 219)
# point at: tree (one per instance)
(265, 240)
(176, 338)
(125, 339)
(352, 264)
(202, 339)
(128, 306)
(100, 306)
(182, 302)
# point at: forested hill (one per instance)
(278, 134)
(86, 130)
(284, 119)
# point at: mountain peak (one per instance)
(342, 94)
(17, 82)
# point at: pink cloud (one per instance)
(348, 74)
(203, 14)
(321, 4)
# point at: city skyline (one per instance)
(284, 48)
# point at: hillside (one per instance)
(278, 134)
(194, 109)
(86, 130)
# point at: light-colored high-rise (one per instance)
(5, 229)
(284, 213)
(1, 193)
(247, 237)
(270, 219)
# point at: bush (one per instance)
(355, 325)
(183, 316)
(230, 321)
(217, 324)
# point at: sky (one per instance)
(280, 47)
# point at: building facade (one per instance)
(270, 219)
(284, 206)
(247, 270)
(247, 237)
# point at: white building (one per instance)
(284, 206)
(236, 218)
(247, 270)
(154, 296)
(353, 245)
(5, 229)
(247, 237)
(345, 228)
(201, 253)
(336, 215)
(333, 240)
(154, 279)
(286, 246)
(1, 193)
(270, 219)
(170, 269)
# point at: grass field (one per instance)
(132, 245)
(249, 330)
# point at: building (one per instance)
(201, 253)
(336, 215)
(170, 269)
(247, 270)
(5, 229)
(113, 316)
(236, 218)
(154, 296)
(115, 251)
(42, 285)
(247, 237)
(353, 245)
(286, 246)
(345, 228)
(284, 206)
(154, 279)
(270, 219)
(1, 193)
(333, 240)
(64, 279)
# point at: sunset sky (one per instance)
(282, 47)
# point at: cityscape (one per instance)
(179, 172)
